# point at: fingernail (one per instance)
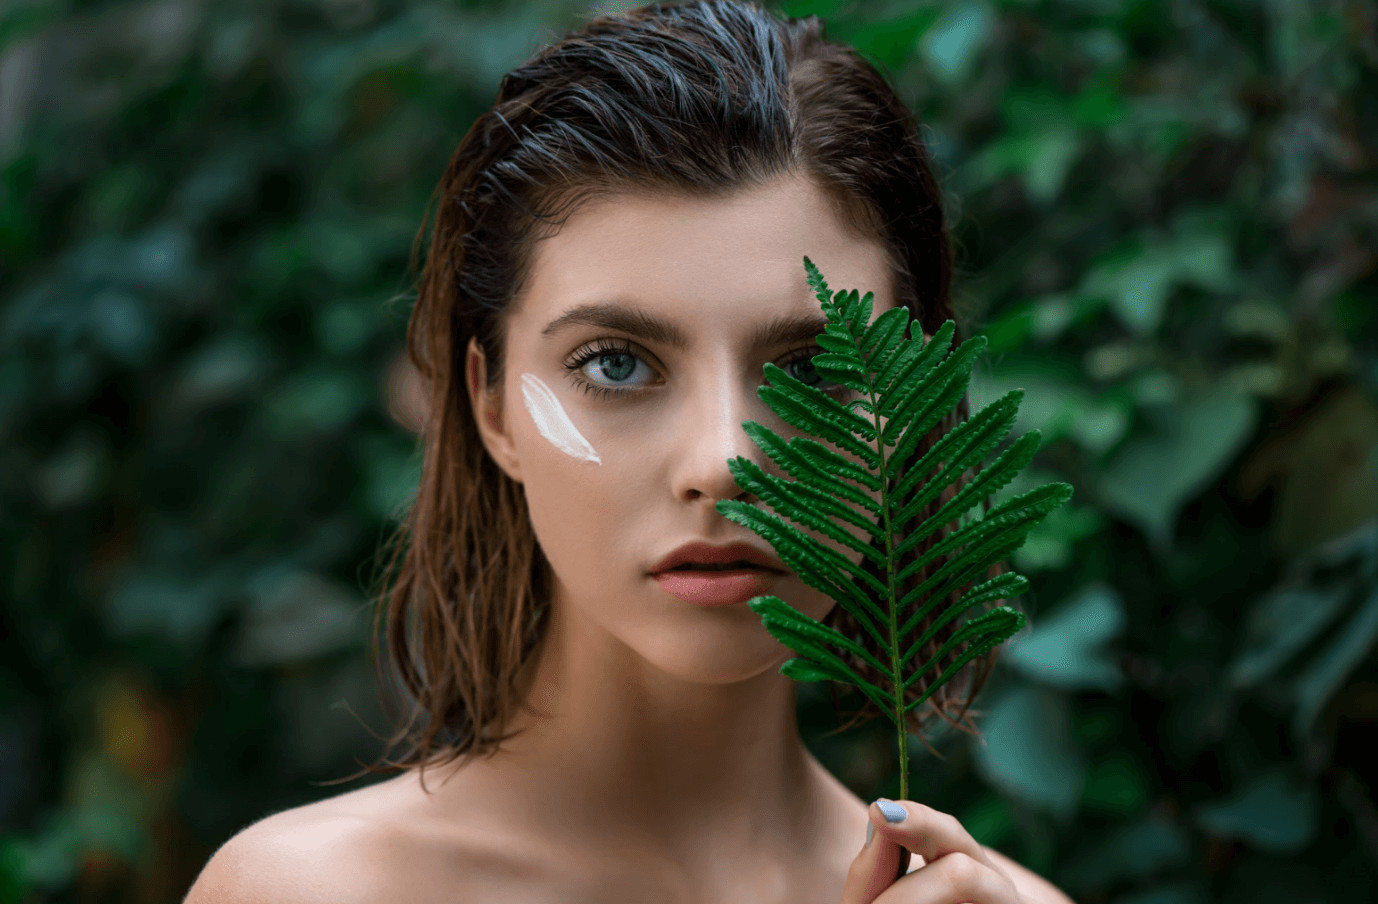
(870, 832)
(893, 811)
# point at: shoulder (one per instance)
(1032, 888)
(388, 841)
(300, 856)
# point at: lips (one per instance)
(706, 554)
(717, 588)
(734, 566)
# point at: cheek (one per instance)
(579, 518)
(574, 494)
(589, 437)
(553, 422)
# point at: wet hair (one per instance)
(697, 100)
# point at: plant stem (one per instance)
(896, 675)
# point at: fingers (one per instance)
(954, 879)
(880, 862)
(956, 868)
(930, 833)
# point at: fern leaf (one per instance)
(860, 468)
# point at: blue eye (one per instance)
(617, 360)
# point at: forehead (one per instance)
(740, 252)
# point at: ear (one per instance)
(488, 412)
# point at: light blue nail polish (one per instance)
(893, 811)
(870, 830)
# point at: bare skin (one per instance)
(664, 763)
(392, 838)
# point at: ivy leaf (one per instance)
(907, 388)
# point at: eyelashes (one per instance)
(606, 347)
(599, 349)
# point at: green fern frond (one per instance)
(908, 387)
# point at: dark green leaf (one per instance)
(909, 382)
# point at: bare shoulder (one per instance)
(300, 856)
(360, 845)
(1033, 888)
(388, 841)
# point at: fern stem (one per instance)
(896, 665)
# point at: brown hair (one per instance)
(697, 99)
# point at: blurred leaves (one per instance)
(1184, 446)
(1337, 581)
(296, 617)
(1274, 813)
(1029, 750)
(951, 45)
(1280, 624)
(1068, 648)
(1137, 850)
(1138, 276)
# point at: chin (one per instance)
(712, 659)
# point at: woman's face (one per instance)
(621, 439)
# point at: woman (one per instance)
(618, 250)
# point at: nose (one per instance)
(712, 435)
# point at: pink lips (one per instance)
(717, 588)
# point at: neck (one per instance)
(620, 752)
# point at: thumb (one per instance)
(879, 865)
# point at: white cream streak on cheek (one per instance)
(552, 421)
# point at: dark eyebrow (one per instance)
(781, 330)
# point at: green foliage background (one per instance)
(1168, 221)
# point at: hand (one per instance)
(956, 870)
